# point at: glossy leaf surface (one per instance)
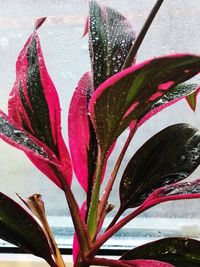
(21, 229)
(181, 252)
(34, 105)
(111, 37)
(168, 99)
(131, 94)
(168, 157)
(187, 190)
(19, 138)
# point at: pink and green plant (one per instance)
(117, 94)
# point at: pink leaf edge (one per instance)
(177, 191)
(112, 80)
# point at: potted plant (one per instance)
(118, 93)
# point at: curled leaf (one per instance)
(36, 205)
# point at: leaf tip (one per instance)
(86, 29)
(39, 22)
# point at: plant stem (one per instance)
(104, 200)
(93, 209)
(55, 249)
(79, 223)
(115, 219)
(134, 49)
(111, 231)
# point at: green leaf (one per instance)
(111, 37)
(21, 229)
(131, 94)
(168, 157)
(192, 99)
(181, 252)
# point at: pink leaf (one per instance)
(86, 27)
(79, 132)
(34, 104)
(39, 22)
(147, 263)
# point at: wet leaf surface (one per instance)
(111, 37)
(186, 190)
(16, 136)
(34, 105)
(168, 157)
(131, 94)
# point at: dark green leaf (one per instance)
(111, 37)
(168, 157)
(181, 252)
(131, 94)
(21, 229)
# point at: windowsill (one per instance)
(25, 260)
